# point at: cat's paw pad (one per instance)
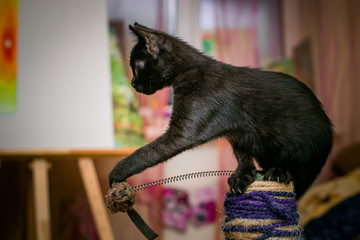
(278, 175)
(239, 182)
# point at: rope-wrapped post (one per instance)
(267, 210)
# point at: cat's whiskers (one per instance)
(139, 97)
(129, 92)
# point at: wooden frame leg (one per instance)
(40, 169)
(96, 200)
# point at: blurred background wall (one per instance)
(63, 88)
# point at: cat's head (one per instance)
(151, 60)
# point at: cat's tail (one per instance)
(318, 153)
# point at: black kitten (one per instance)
(269, 116)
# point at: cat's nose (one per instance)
(139, 88)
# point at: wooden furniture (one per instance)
(40, 164)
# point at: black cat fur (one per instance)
(269, 116)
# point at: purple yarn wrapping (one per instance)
(263, 205)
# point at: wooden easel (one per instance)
(41, 163)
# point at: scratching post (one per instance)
(267, 210)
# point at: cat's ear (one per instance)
(154, 40)
(140, 34)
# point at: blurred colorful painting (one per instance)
(8, 55)
(284, 66)
(209, 44)
(128, 125)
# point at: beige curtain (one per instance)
(333, 28)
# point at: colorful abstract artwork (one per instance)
(284, 66)
(180, 207)
(8, 55)
(209, 43)
(128, 125)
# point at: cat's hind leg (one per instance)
(244, 174)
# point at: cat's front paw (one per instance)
(278, 175)
(116, 177)
(240, 181)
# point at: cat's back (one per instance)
(267, 97)
(276, 89)
(276, 101)
(272, 81)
